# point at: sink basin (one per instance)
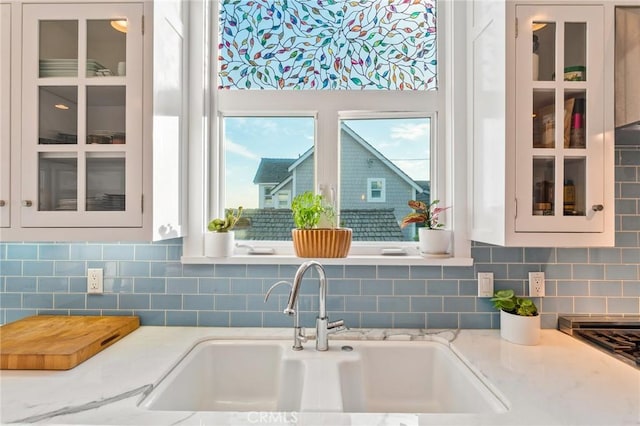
(353, 376)
(231, 375)
(412, 377)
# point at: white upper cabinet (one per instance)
(102, 134)
(82, 116)
(5, 115)
(542, 127)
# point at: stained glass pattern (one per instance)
(327, 44)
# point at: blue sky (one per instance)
(247, 140)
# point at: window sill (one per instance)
(257, 259)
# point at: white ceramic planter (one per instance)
(219, 244)
(520, 330)
(434, 241)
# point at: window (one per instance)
(375, 190)
(299, 45)
(330, 68)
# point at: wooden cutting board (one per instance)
(55, 342)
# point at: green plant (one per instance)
(423, 213)
(507, 301)
(310, 209)
(225, 225)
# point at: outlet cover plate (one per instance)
(536, 284)
(94, 281)
(485, 284)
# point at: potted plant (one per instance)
(220, 240)
(519, 318)
(432, 238)
(316, 233)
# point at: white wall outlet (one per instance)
(94, 281)
(485, 284)
(536, 284)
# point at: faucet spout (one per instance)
(323, 326)
(299, 336)
(297, 282)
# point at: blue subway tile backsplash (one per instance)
(148, 280)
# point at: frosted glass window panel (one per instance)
(58, 48)
(544, 50)
(106, 48)
(575, 51)
(58, 182)
(543, 190)
(575, 178)
(57, 115)
(544, 118)
(575, 119)
(106, 114)
(327, 44)
(105, 183)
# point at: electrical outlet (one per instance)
(94, 281)
(485, 284)
(536, 284)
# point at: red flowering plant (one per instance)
(423, 213)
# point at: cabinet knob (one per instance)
(597, 207)
(2, 203)
(27, 203)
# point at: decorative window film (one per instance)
(327, 44)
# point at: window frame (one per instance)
(449, 100)
(382, 189)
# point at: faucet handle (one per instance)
(266, 296)
(336, 326)
(299, 337)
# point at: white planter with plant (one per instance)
(219, 242)
(432, 238)
(316, 234)
(519, 318)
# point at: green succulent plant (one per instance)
(507, 301)
(225, 225)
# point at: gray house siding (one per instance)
(358, 165)
(303, 176)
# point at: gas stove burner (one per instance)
(625, 343)
(617, 336)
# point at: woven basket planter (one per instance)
(322, 242)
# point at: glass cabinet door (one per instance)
(82, 130)
(560, 119)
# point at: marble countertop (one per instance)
(562, 381)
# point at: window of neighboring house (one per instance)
(284, 199)
(375, 190)
(294, 76)
(266, 199)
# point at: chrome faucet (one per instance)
(323, 326)
(299, 336)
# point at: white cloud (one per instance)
(410, 132)
(239, 149)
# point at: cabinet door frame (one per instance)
(133, 149)
(594, 153)
(5, 115)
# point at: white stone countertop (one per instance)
(562, 381)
